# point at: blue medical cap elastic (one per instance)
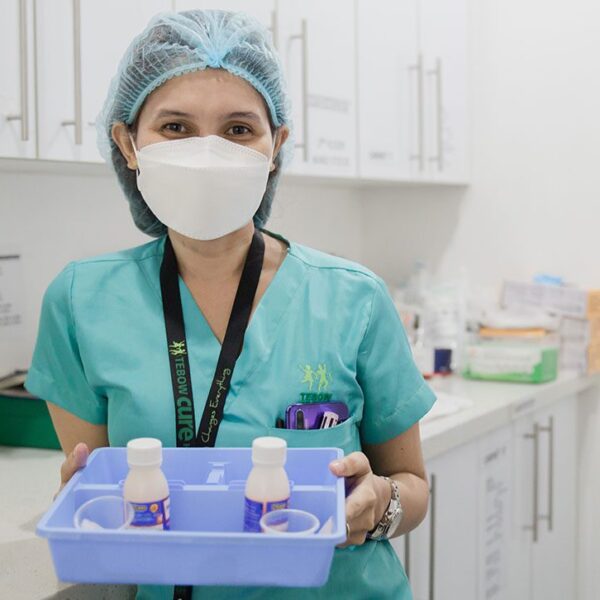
(173, 44)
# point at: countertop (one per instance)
(29, 478)
(492, 405)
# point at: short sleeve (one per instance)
(395, 394)
(57, 373)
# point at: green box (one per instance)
(544, 371)
(25, 421)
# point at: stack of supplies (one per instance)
(519, 346)
(579, 310)
(580, 344)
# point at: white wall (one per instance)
(534, 202)
(52, 214)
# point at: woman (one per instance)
(196, 125)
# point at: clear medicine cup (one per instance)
(104, 512)
(289, 521)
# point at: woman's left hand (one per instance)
(368, 498)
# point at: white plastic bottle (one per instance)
(267, 487)
(146, 486)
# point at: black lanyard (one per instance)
(230, 350)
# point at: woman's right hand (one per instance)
(74, 461)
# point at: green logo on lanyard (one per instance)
(177, 348)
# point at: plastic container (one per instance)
(267, 486)
(146, 486)
(104, 512)
(206, 544)
(289, 520)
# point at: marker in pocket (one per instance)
(330, 419)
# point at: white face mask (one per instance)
(202, 187)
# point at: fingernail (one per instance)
(338, 466)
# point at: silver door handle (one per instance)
(420, 155)
(77, 121)
(23, 73)
(302, 36)
(439, 102)
(535, 436)
(549, 516)
(432, 492)
(407, 555)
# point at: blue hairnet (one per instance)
(173, 44)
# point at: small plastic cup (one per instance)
(104, 512)
(289, 521)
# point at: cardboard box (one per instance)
(560, 300)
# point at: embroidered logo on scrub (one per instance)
(177, 348)
(318, 381)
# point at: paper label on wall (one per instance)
(11, 294)
(494, 509)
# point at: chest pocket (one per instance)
(344, 436)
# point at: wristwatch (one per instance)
(392, 517)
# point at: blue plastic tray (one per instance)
(206, 544)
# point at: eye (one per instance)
(238, 130)
(173, 127)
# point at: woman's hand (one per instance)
(74, 461)
(367, 499)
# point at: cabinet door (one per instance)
(443, 549)
(523, 498)
(80, 43)
(444, 48)
(495, 485)
(554, 553)
(388, 88)
(17, 91)
(263, 10)
(317, 47)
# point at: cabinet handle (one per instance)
(23, 74)
(437, 74)
(535, 436)
(432, 492)
(303, 39)
(77, 122)
(419, 156)
(407, 555)
(549, 429)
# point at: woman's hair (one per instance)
(173, 44)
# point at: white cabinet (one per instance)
(378, 87)
(412, 89)
(17, 91)
(388, 55)
(317, 47)
(80, 43)
(444, 51)
(543, 542)
(442, 558)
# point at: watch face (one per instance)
(395, 522)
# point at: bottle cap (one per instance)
(269, 451)
(144, 452)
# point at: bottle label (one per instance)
(253, 512)
(152, 515)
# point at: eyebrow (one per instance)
(250, 115)
(166, 112)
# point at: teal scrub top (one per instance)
(325, 328)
